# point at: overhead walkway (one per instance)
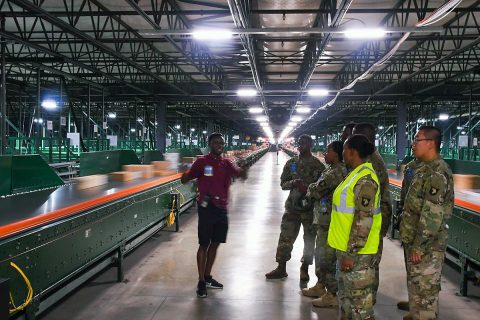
(161, 276)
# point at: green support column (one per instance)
(401, 141)
(3, 95)
(161, 127)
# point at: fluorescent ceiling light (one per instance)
(365, 33)
(132, 130)
(192, 129)
(177, 126)
(212, 34)
(421, 120)
(38, 120)
(463, 132)
(303, 110)
(318, 92)
(204, 131)
(380, 127)
(459, 127)
(443, 116)
(255, 110)
(313, 137)
(139, 120)
(296, 118)
(261, 118)
(246, 92)
(49, 104)
(112, 115)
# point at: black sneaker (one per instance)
(212, 283)
(201, 289)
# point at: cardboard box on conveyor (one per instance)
(90, 181)
(124, 175)
(466, 181)
(147, 170)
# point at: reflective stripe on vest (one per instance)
(343, 209)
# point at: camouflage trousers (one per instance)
(378, 258)
(325, 260)
(289, 230)
(355, 288)
(423, 283)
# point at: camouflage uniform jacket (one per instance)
(428, 204)
(309, 170)
(407, 179)
(385, 203)
(321, 192)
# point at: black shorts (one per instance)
(212, 225)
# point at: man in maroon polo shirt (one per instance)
(214, 174)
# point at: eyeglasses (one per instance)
(415, 141)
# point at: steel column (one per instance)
(3, 95)
(161, 127)
(401, 141)
(38, 125)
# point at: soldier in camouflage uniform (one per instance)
(299, 172)
(428, 204)
(355, 230)
(320, 194)
(378, 164)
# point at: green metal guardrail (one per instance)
(26, 173)
(102, 162)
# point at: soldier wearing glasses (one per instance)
(428, 204)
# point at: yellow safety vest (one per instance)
(343, 210)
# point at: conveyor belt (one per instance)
(468, 199)
(25, 211)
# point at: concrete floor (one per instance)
(161, 276)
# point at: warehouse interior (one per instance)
(90, 86)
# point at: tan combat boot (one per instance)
(328, 300)
(403, 305)
(304, 272)
(316, 291)
(278, 273)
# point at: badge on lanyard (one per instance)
(293, 167)
(208, 171)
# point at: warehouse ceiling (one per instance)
(143, 52)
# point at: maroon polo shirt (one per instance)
(214, 176)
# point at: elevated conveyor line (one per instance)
(23, 225)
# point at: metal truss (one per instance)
(427, 63)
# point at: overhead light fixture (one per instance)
(246, 92)
(421, 120)
(204, 131)
(38, 120)
(192, 129)
(112, 115)
(318, 92)
(255, 110)
(177, 126)
(261, 118)
(212, 34)
(303, 110)
(313, 137)
(139, 120)
(296, 118)
(443, 116)
(463, 132)
(459, 127)
(264, 124)
(49, 104)
(169, 134)
(132, 130)
(380, 127)
(365, 33)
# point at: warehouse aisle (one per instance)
(161, 276)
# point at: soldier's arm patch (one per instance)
(365, 191)
(435, 188)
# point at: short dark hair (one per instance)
(366, 129)
(307, 137)
(360, 143)
(433, 133)
(337, 147)
(214, 135)
(350, 126)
